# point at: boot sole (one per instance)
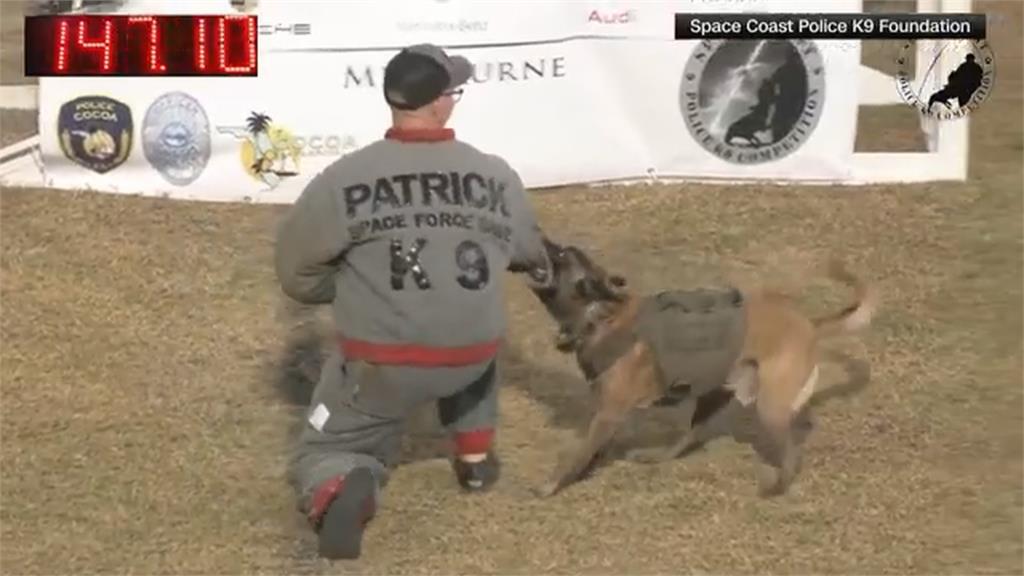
(341, 532)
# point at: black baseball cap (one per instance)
(419, 74)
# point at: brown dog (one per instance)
(638, 351)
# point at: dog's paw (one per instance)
(769, 484)
(547, 490)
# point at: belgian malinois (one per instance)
(765, 354)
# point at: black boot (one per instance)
(340, 530)
(477, 476)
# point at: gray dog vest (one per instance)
(696, 336)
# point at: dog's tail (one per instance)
(855, 316)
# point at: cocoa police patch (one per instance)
(96, 132)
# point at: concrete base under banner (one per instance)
(21, 165)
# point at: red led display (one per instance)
(137, 45)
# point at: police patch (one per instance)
(176, 137)
(95, 132)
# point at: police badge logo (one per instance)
(753, 101)
(95, 132)
(964, 88)
(176, 137)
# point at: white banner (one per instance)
(567, 92)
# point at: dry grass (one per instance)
(152, 381)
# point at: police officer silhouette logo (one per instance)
(962, 90)
(753, 101)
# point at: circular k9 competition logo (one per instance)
(753, 101)
(176, 137)
(961, 91)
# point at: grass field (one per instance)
(153, 378)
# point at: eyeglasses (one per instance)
(455, 94)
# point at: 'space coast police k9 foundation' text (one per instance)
(851, 26)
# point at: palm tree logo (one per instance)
(270, 153)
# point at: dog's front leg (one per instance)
(627, 384)
(602, 427)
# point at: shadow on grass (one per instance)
(571, 405)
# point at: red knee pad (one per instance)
(474, 441)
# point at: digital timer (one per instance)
(141, 45)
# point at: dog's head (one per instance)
(576, 285)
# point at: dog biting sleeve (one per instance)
(696, 335)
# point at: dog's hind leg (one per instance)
(776, 480)
(776, 413)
